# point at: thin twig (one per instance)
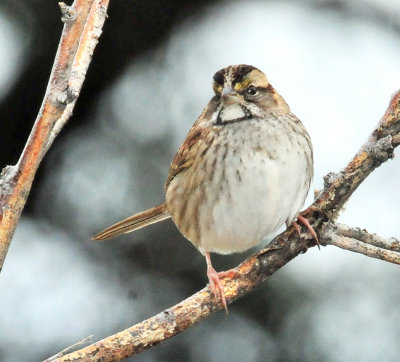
(82, 27)
(70, 348)
(257, 268)
(391, 244)
(361, 242)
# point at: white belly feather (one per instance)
(260, 195)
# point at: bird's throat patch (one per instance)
(233, 113)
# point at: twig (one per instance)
(360, 241)
(83, 22)
(391, 244)
(70, 348)
(327, 206)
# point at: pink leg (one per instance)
(215, 281)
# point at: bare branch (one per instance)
(83, 22)
(360, 241)
(391, 244)
(257, 268)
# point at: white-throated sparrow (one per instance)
(243, 171)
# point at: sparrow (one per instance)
(242, 172)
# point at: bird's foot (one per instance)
(306, 223)
(214, 279)
(216, 286)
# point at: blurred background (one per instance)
(335, 62)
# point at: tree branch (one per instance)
(391, 244)
(326, 208)
(83, 24)
(360, 241)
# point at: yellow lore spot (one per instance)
(217, 87)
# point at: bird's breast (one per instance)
(252, 179)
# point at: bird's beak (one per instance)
(229, 96)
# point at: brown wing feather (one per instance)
(197, 141)
(184, 157)
(134, 222)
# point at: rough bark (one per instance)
(83, 23)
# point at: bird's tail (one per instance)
(134, 222)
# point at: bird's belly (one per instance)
(249, 194)
(255, 200)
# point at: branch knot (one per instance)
(68, 14)
(330, 178)
(382, 150)
(67, 96)
(7, 182)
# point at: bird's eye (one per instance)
(252, 90)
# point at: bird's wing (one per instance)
(196, 145)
